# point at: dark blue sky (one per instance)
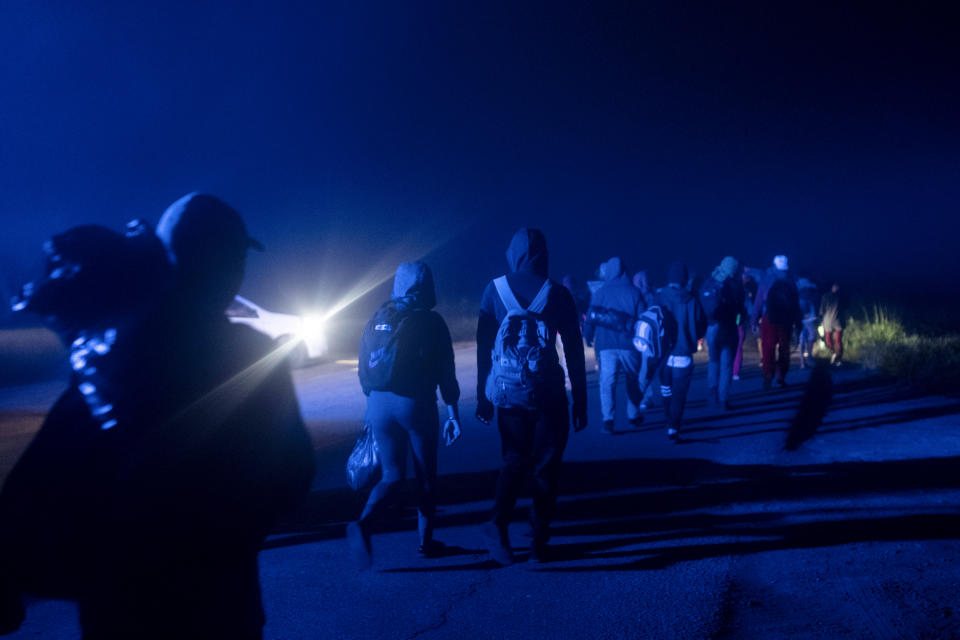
(356, 134)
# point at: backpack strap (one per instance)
(539, 302)
(506, 296)
(513, 305)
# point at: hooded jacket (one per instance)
(691, 320)
(527, 258)
(616, 294)
(427, 335)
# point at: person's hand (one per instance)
(484, 410)
(579, 419)
(451, 431)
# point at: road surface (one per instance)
(725, 535)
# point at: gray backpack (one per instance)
(524, 357)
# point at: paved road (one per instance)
(726, 535)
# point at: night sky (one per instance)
(353, 135)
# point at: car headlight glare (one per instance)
(312, 326)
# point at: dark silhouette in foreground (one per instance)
(152, 519)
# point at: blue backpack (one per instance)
(524, 358)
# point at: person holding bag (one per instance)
(405, 354)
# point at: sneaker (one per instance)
(673, 434)
(782, 382)
(358, 538)
(838, 363)
(737, 378)
(431, 549)
(540, 553)
(608, 427)
(636, 422)
(498, 544)
(644, 406)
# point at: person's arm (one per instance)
(447, 380)
(699, 319)
(758, 302)
(447, 369)
(569, 329)
(487, 327)
(589, 329)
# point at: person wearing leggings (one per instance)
(403, 411)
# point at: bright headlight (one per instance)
(312, 325)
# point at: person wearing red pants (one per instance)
(776, 310)
(830, 311)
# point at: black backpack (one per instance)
(783, 302)
(611, 319)
(384, 352)
(712, 300)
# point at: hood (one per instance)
(611, 269)
(727, 268)
(528, 252)
(678, 274)
(673, 293)
(413, 286)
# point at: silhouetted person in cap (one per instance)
(206, 451)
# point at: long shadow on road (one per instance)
(613, 506)
(642, 501)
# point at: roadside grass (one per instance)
(880, 342)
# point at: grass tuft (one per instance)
(880, 342)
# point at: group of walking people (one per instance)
(152, 483)
(521, 381)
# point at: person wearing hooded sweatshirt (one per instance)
(533, 440)
(685, 311)
(620, 303)
(722, 329)
(403, 414)
(776, 310)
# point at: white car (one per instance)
(282, 327)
